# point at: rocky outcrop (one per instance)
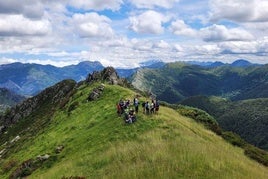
(29, 166)
(52, 96)
(96, 93)
(108, 74)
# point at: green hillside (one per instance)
(88, 139)
(248, 118)
(177, 81)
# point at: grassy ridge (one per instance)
(97, 144)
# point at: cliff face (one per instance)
(51, 97)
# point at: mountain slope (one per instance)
(8, 99)
(248, 118)
(29, 79)
(95, 143)
(177, 81)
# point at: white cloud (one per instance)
(259, 47)
(96, 4)
(152, 4)
(5, 60)
(66, 32)
(28, 8)
(149, 22)
(178, 27)
(18, 25)
(239, 10)
(221, 33)
(162, 45)
(177, 48)
(92, 25)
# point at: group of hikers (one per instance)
(129, 109)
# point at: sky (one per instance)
(124, 33)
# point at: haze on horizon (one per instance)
(123, 33)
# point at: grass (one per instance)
(98, 144)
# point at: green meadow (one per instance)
(98, 144)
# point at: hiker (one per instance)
(122, 106)
(130, 117)
(118, 109)
(152, 107)
(143, 106)
(127, 103)
(136, 104)
(147, 107)
(156, 106)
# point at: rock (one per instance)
(15, 139)
(96, 93)
(2, 152)
(108, 74)
(42, 157)
(27, 167)
(95, 76)
(59, 149)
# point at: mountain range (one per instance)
(172, 82)
(177, 81)
(72, 130)
(29, 79)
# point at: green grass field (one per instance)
(98, 144)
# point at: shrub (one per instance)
(257, 154)
(9, 165)
(73, 106)
(200, 116)
(233, 139)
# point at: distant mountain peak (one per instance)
(152, 64)
(89, 63)
(241, 63)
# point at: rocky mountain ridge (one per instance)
(57, 95)
(8, 99)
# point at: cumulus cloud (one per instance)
(178, 27)
(96, 4)
(153, 4)
(162, 45)
(92, 25)
(239, 10)
(259, 47)
(149, 22)
(28, 8)
(65, 32)
(18, 25)
(221, 33)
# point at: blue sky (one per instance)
(124, 33)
